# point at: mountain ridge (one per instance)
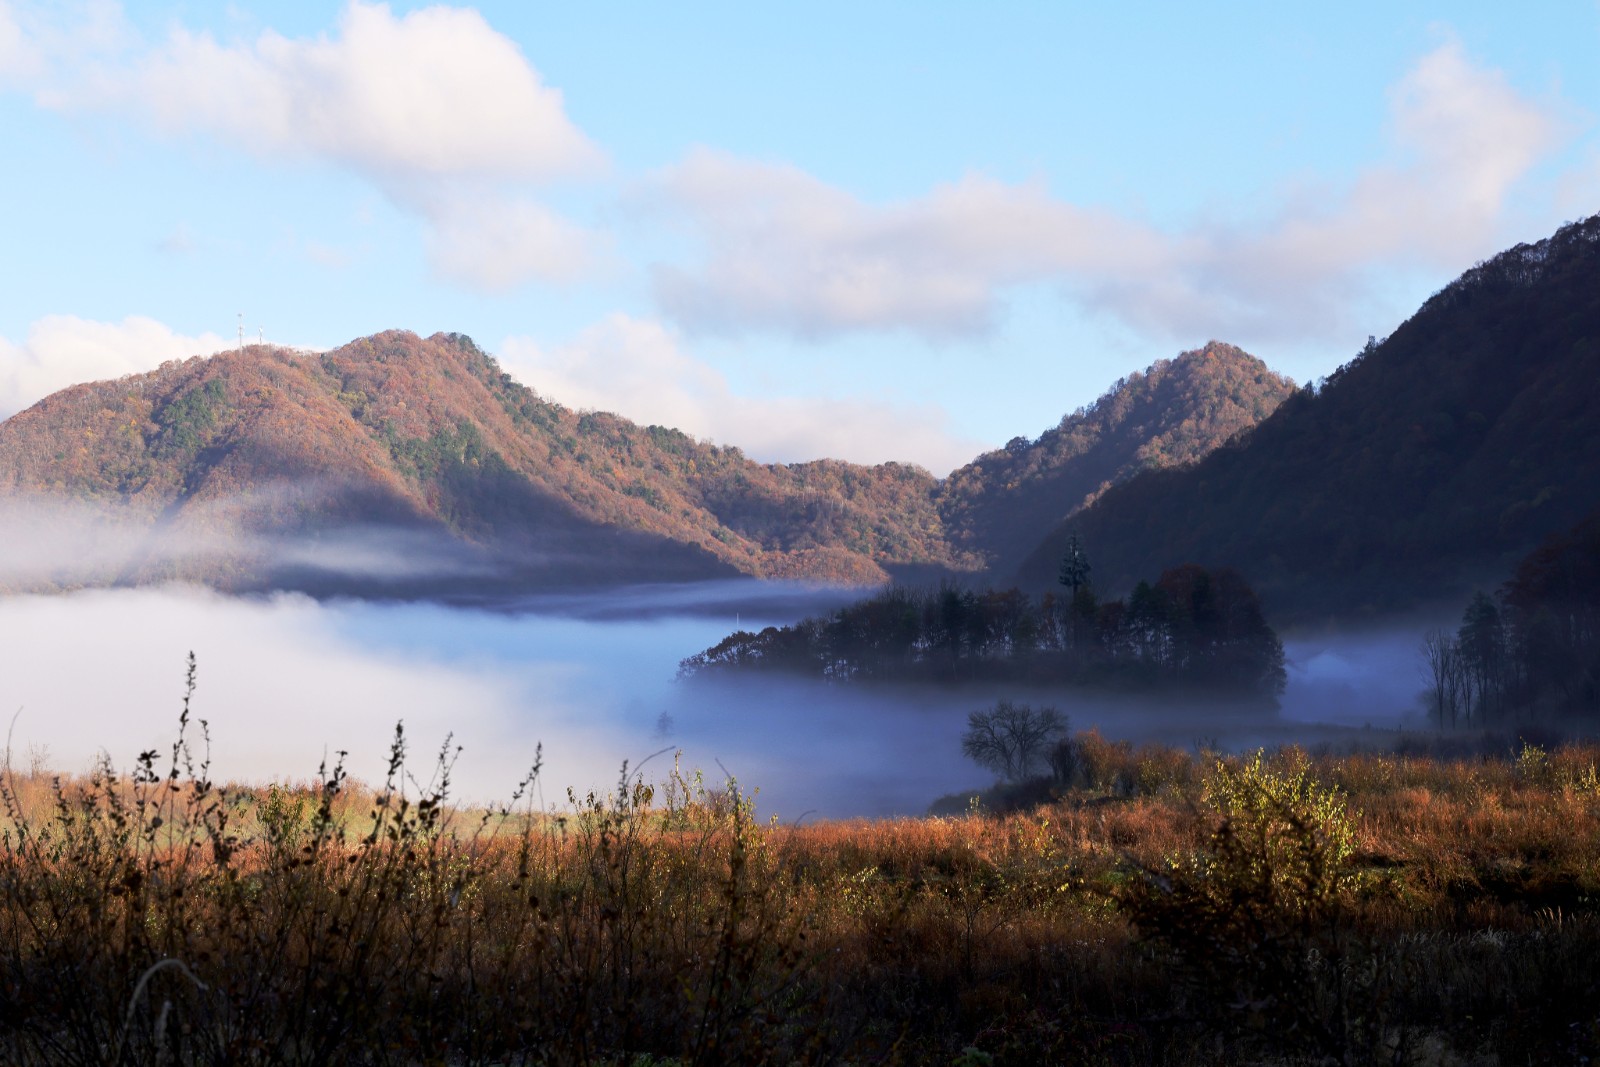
(431, 438)
(1428, 464)
(1168, 415)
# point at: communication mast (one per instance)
(241, 331)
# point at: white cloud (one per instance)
(638, 368)
(785, 251)
(494, 243)
(790, 251)
(17, 60)
(437, 108)
(1469, 137)
(63, 350)
(433, 92)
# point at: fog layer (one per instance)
(286, 682)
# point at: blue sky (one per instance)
(888, 231)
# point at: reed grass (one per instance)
(1166, 908)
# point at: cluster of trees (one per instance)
(1532, 651)
(1194, 629)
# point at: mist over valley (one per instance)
(418, 537)
(537, 535)
(285, 682)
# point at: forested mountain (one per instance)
(1171, 414)
(395, 456)
(219, 459)
(1429, 463)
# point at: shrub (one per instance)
(1251, 919)
(1296, 835)
(1106, 765)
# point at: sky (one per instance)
(889, 231)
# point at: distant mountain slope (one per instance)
(397, 464)
(1173, 413)
(1431, 461)
(428, 438)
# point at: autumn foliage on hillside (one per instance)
(1173, 413)
(431, 437)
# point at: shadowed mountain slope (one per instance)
(1429, 463)
(1173, 413)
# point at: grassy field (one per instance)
(1162, 907)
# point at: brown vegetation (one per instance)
(1171, 414)
(1160, 907)
(429, 436)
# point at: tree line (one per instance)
(1531, 652)
(1195, 629)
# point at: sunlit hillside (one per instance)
(424, 448)
(1173, 413)
(428, 436)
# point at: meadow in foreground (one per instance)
(1158, 907)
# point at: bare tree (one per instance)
(1010, 739)
(1442, 662)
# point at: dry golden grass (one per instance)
(1149, 915)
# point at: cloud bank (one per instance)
(435, 107)
(63, 350)
(285, 682)
(784, 251)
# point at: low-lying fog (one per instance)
(286, 682)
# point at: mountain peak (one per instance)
(264, 451)
(1432, 461)
(226, 468)
(1171, 413)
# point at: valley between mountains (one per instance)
(398, 465)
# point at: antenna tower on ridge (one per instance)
(241, 331)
